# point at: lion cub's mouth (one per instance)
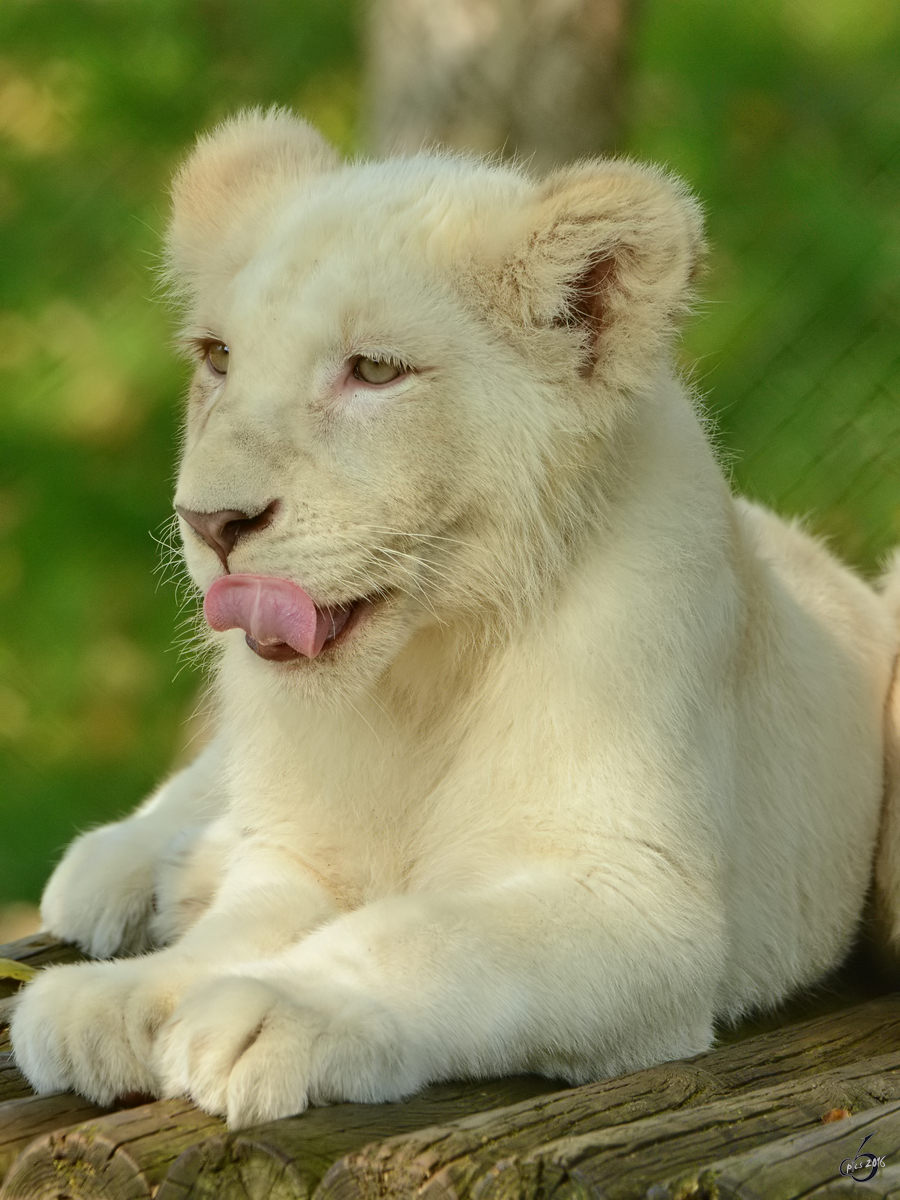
(280, 620)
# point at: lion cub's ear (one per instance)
(226, 192)
(611, 250)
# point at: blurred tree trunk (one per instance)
(538, 80)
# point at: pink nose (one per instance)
(222, 530)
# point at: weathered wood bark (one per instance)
(807, 1167)
(13, 1084)
(286, 1159)
(533, 79)
(21, 1121)
(123, 1156)
(623, 1163)
(453, 1157)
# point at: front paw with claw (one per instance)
(248, 1050)
(90, 1028)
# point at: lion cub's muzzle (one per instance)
(280, 620)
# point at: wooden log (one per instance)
(21, 1121)
(13, 1084)
(6, 1009)
(123, 1156)
(452, 1157)
(286, 1159)
(815, 1166)
(623, 1163)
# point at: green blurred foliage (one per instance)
(783, 114)
(98, 101)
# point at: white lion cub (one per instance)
(537, 751)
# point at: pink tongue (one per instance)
(272, 612)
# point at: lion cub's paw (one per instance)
(89, 1028)
(248, 1050)
(101, 894)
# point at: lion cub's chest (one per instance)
(358, 810)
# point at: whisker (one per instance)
(417, 559)
(350, 703)
(404, 533)
(420, 594)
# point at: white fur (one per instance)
(606, 763)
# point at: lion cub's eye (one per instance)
(377, 370)
(217, 354)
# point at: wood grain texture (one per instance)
(21, 1121)
(452, 1158)
(623, 1163)
(287, 1159)
(123, 1156)
(13, 1084)
(6, 1010)
(807, 1167)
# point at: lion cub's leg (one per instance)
(566, 971)
(101, 895)
(574, 969)
(91, 1027)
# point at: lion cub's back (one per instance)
(819, 582)
(812, 679)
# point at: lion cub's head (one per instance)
(411, 381)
